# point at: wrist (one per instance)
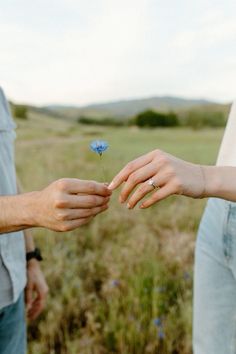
(32, 263)
(211, 180)
(28, 212)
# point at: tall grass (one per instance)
(123, 284)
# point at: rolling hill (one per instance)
(129, 108)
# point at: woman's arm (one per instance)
(172, 176)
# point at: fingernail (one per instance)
(111, 185)
(141, 206)
(121, 200)
(128, 206)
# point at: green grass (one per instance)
(109, 280)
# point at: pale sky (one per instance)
(84, 51)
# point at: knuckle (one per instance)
(91, 187)
(178, 186)
(163, 160)
(133, 178)
(87, 213)
(60, 216)
(157, 152)
(62, 184)
(95, 211)
(59, 202)
(130, 166)
(64, 227)
(170, 171)
(93, 200)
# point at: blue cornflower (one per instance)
(157, 322)
(99, 146)
(161, 334)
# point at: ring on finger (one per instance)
(153, 184)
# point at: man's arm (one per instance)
(64, 205)
(36, 288)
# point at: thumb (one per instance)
(29, 296)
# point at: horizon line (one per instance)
(130, 98)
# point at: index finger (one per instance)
(75, 186)
(131, 167)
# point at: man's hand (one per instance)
(36, 290)
(64, 205)
(68, 203)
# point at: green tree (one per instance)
(20, 111)
(151, 118)
(199, 119)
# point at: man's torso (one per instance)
(12, 246)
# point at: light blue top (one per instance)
(12, 245)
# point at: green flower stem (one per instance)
(103, 170)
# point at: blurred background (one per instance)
(141, 75)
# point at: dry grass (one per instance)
(110, 280)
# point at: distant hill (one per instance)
(124, 109)
(129, 108)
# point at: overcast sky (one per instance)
(83, 51)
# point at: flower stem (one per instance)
(103, 170)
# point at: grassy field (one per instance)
(123, 284)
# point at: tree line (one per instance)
(195, 119)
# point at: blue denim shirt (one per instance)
(12, 245)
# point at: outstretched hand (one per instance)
(169, 174)
(69, 203)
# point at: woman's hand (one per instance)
(169, 174)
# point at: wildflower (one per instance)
(99, 146)
(158, 322)
(186, 276)
(115, 283)
(161, 334)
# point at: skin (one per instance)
(172, 176)
(63, 206)
(36, 289)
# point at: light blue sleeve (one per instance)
(6, 120)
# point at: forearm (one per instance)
(16, 212)
(220, 182)
(29, 240)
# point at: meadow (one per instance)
(122, 284)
